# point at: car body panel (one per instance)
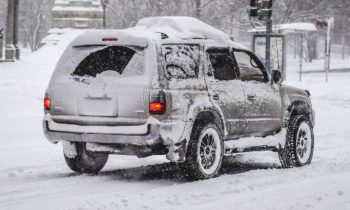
(116, 111)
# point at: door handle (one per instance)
(251, 97)
(216, 97)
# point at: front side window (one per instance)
(222, 64)
(180, 61)
(250, 68)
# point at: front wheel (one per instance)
(85, 161)
(204, 153)
(299, 147)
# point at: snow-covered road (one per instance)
(33, 174)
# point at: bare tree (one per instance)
(35, 22)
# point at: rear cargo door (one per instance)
(107, 85)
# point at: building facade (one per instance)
(79, 14)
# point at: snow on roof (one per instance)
(175, 28)
(103, 37)
(287, 28)
(183, 27)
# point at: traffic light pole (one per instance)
(104, 7)
(330, 24)
(268, 44)
(263, 10)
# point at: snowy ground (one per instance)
(33, 174)
(293, 66)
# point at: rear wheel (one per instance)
(299, 147)
(85, 161)
(204, 153)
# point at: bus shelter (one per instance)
(279, 44)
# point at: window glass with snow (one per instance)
(113, 61)
(181, 61)
(249, 67)
(221, 64)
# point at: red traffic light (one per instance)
(254, 3)
(254, 8)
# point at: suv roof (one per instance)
(159, 29)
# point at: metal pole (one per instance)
(104, 15)
(9, 36)
(268, 44)
(327, 54)
(2, 44)
(104, 7)
(328, 46)
(15, 29)
(301, 57)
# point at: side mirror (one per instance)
(276, 76)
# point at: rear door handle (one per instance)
(251, 97)
(216, 97)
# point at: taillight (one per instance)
(157, 105)
(47, 103)
(156, 108)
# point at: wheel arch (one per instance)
(299, 108)
(211, 115)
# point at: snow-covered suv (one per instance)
(172, 86)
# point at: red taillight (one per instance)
(157, 108)
(157, 105)
(47, 103)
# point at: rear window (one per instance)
(118, 61)
(180, 61)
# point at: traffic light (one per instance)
(266, 4)
(261, 9)
(254, 8)
(265, 11)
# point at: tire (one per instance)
(205, 152)
(86, 162)
(299, 147)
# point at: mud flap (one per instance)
(177, 152)
(69, 149)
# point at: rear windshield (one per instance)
(92, 61)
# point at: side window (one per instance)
(181, 61)
(222, 64)
(250, 68)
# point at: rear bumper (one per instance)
(150, 139)
(72, 133)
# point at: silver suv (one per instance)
(190, 94)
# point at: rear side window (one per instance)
(116, 60)
(180, 61)
(222, 64)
